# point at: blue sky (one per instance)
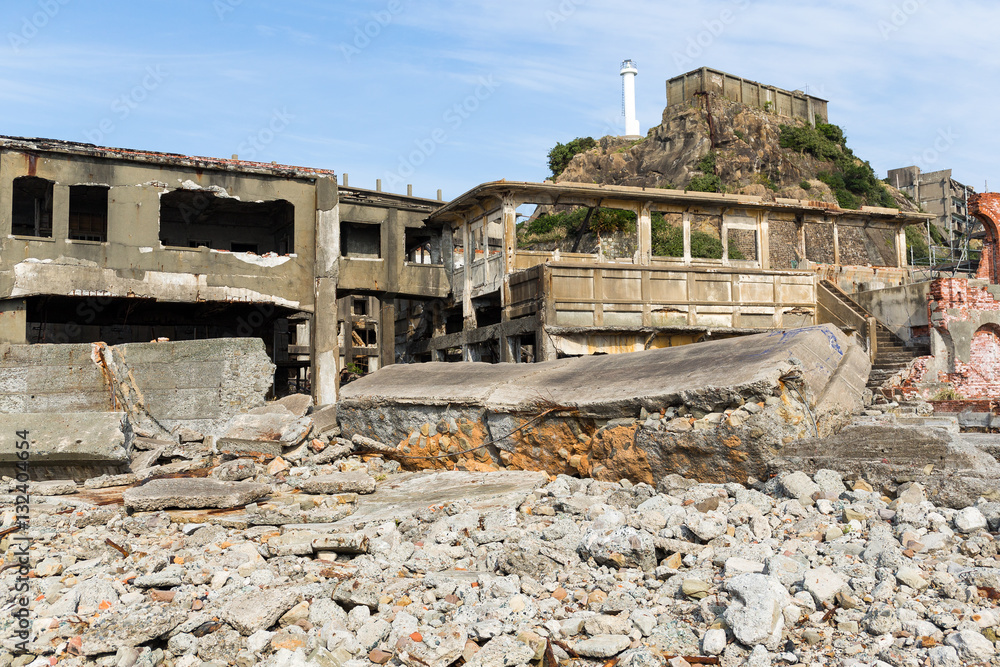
(448, 94)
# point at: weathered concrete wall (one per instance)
(717, 410)
(197, 384)
(903, 309)
(132, 262)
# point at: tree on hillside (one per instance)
(561, 154)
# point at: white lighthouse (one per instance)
(629, 73)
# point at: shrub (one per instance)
(805, 185)
(705, 183)
(706, 164)
(561, 154)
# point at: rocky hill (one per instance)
(725, 147)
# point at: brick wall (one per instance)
(951, 301)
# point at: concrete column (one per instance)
(387, 330)
(725, 241)
(686, 223)
(764, 242)
(836, 243)
(509, 219)
(645, 235)
(468, 312)
(60, 212)
(901, 247)
(323, 354)
(802, 243)
(14, 321)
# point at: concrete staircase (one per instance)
(892, 354)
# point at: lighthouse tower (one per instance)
(629, 73)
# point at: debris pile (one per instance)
(348, 562)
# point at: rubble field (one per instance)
(326, 556)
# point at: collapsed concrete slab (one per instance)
(78, 445)
(952, 469)
(197, 384)
(192, 493)
(713, 411)
(409, 493)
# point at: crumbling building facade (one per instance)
(113, 245)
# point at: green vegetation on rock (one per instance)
(852, 180)
(561, 154)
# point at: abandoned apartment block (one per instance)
(119, 246)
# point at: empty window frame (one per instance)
(31, 207)
(418, 246)
(88, 212)
(361, 240)
(190, 218)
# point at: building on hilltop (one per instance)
(794, 104)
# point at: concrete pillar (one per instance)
(901, 247)
(725, 241)
(836, 243)
(764, 242)
(323, 354)
(803, 257)
(14, 321)
(468, 312)
(644, 232)
(60, 212)
(509, 220)
(387, 330)
(686, 224)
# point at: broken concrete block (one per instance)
(297, 404)
(149, 444)
(324, 419)
(285, 428)
(192, 493)
(347, 543)
(578, 416)
(67, 441)
(251, 449)
(339, 482)
(258, 610)
(105, 481)
(55, 487)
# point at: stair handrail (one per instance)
(837, 307)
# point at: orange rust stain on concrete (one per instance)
(436, 444)
(732, 441)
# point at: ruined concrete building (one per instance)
(104, 244)
(510, 304)
(686, 88)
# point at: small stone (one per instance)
(696, 589)
(602, 646)
(713, 642)
(969, 520)
(379, 657)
